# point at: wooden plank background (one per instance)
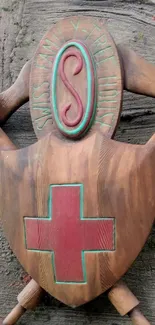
(22, 24)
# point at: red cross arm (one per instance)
(38, 234)
(98, 234)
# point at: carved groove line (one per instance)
(71, 89)
(91, 235)
(90, 110)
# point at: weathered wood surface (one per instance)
(23, 23)
(43, 86)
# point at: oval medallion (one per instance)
(73, 119)
(76, 81)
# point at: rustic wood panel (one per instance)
(23, 23)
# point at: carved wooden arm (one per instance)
(138, 74)
(138, 77)
(15, 96)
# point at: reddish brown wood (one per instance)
(126, 303)
(112, 189)
(80, 109)
(139, 75)
(70, 121)
(122, 298)
(15, 96)
(5, 142)
(103, 59)
(66, 228)
(30, 295)
(27, 299)
(104, 186)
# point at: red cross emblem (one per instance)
(67, 234)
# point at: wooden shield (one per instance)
(77, 213)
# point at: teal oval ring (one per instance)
(83, 126)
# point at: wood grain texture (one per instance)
(67, 234)
(138, 74)
(22, 26)
(108, 184)
(122, 298)
(96, 90)
(126, 303)
(30, 296)
(16, 95)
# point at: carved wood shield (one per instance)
(77, 213)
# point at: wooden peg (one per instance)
(139, 74)
(15, 96)
(126, 303)
(27, 299)
(137, 317)
(14, 315)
